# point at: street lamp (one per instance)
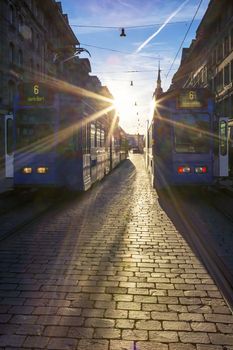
(77, 52)
(122, 32)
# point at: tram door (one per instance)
(9, 155)
(221, 163)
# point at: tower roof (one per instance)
(158, 90)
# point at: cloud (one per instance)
(124, 13)
(173, 14)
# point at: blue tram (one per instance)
(57, 143)
(183, 147)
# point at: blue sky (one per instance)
(112, 67)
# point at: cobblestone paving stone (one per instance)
(110, 272)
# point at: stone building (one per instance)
(34, 36)
(208, 62)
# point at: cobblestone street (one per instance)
(110, 272)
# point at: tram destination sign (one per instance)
(31, 94)
(191, 99)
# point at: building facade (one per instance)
(34, 36)
(208, 62)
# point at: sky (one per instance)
(128, 65)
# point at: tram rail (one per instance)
(14, 199)
(224, 206)
(34, 208)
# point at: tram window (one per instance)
(86, 139)
(223, 138)
(9, 136)
(191, 133)
(76, 135)
(102, 138)
(98, 137)
(35, 126)
(93, 136)
(163, 139)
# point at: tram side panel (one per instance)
(49, 141)
(55, 144)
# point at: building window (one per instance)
(42, 18)
(232, 70)
(226, 74)
(213, 82)
(220, 80)
(11, 90)
(20, 24)
(32, 36)
(1, 90)
(11, 53)
(232, 38)
(228, 111)
(205, 75)
(20, 58)
(220, 53)
(212, 58)
(216, 55)
(31, 65)
(38, 67)
(226, 45)
(35, 10)
(231, 106)
(226, 107)
(11, 15)
(31, 4)
(37, 42)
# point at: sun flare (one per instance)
(124, 105)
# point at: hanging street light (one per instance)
(122, 32)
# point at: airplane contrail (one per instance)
(162, 26)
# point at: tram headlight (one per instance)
(200, 170)
(42, 170)
(184, 169)
(26, 170)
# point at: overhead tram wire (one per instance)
(184, 37)
(122, 52)
(128, 71)
(125, 27)
(132, 71)
(124, 80)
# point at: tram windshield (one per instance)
(33, 127)
(192, 133)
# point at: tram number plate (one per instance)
(190, 99)
(34, 94)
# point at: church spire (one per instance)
(159, 78)
(158, 90)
